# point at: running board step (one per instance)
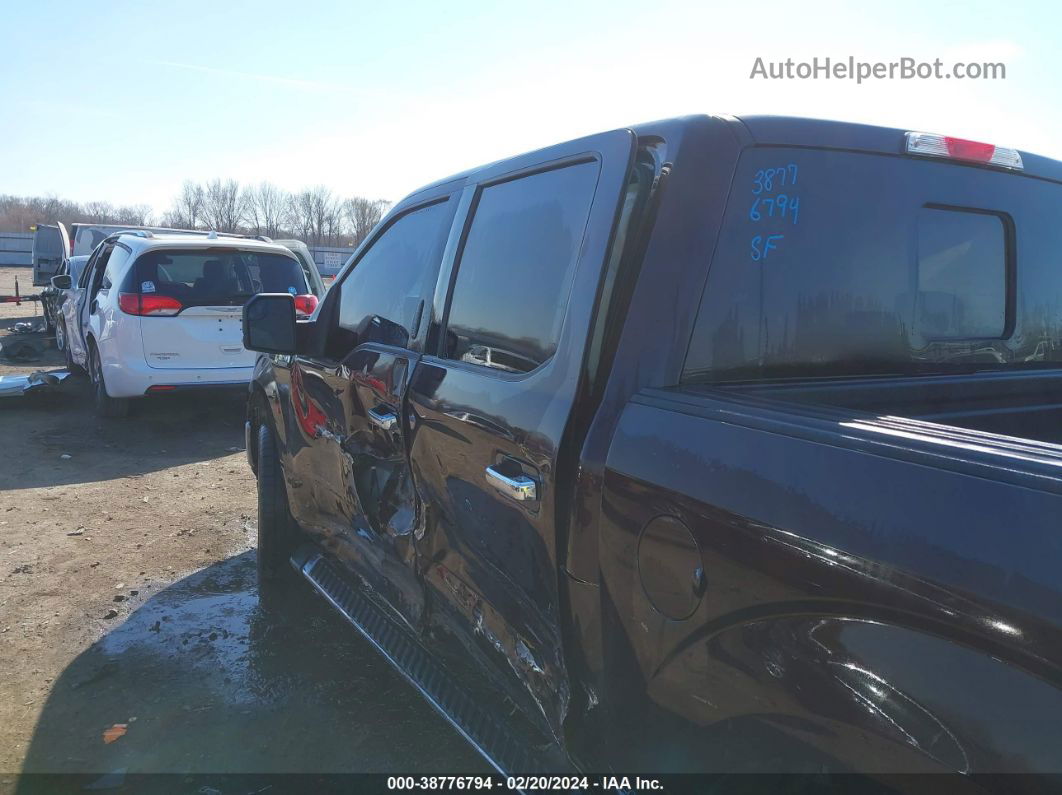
(504, 749)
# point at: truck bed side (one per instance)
(886, 595)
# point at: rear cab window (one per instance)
(516, 268)
(214, 276)
(837, 263)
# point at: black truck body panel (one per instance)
(856, 573)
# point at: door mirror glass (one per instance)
(62, 282)
(269, 323)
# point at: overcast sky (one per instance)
(124, 101)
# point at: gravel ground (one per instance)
(128, 596)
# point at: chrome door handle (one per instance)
(385, 420)
(521, 488)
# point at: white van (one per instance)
(161, 313)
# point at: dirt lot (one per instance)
(127, 596)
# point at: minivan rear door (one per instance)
(191, 302)
(51, 246)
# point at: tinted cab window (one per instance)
(516, 268)
(839, 263)
(383, 298)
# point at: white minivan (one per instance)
(155, 313)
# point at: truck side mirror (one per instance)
(62, 281)
(269, 323)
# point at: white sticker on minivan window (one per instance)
(147, 287)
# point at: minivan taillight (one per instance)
(156, 305)
(305, 304)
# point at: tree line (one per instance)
(316, 215)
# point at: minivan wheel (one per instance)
(277, 530)
(60, 336)
(106, 406)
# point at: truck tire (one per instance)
(276, 527)
(106, 406)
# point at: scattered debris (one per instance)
(119, 597)
(23, 569)
(21, 350)
(234, 449)
(111, 614)
(66, 456)
(27, 327)
(113, 733)
(14, 385)
(79, 532)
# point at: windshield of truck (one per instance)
(216, 277)
(838, 263)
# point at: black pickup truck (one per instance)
(711, 444)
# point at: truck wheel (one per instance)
(276, 526)
(106, 406)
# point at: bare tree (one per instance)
(187, 210)
(266, 209)
(98, 212)
(134, 215)
(223, 205)
(362, 215)
(19, 213)
(316, 215)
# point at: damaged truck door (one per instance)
(347, 405)
(492, 403)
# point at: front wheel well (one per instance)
(257, 414)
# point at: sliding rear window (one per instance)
(839, 263)
(216, 277)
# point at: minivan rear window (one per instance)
(834, 263)
(215, 277)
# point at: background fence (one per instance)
(15, 249)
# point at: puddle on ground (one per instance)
(209, 678)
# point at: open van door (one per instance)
(51, 246)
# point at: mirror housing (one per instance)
(62, 281)
(269, 323)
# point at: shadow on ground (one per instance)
(161, 432)
(211, 680)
